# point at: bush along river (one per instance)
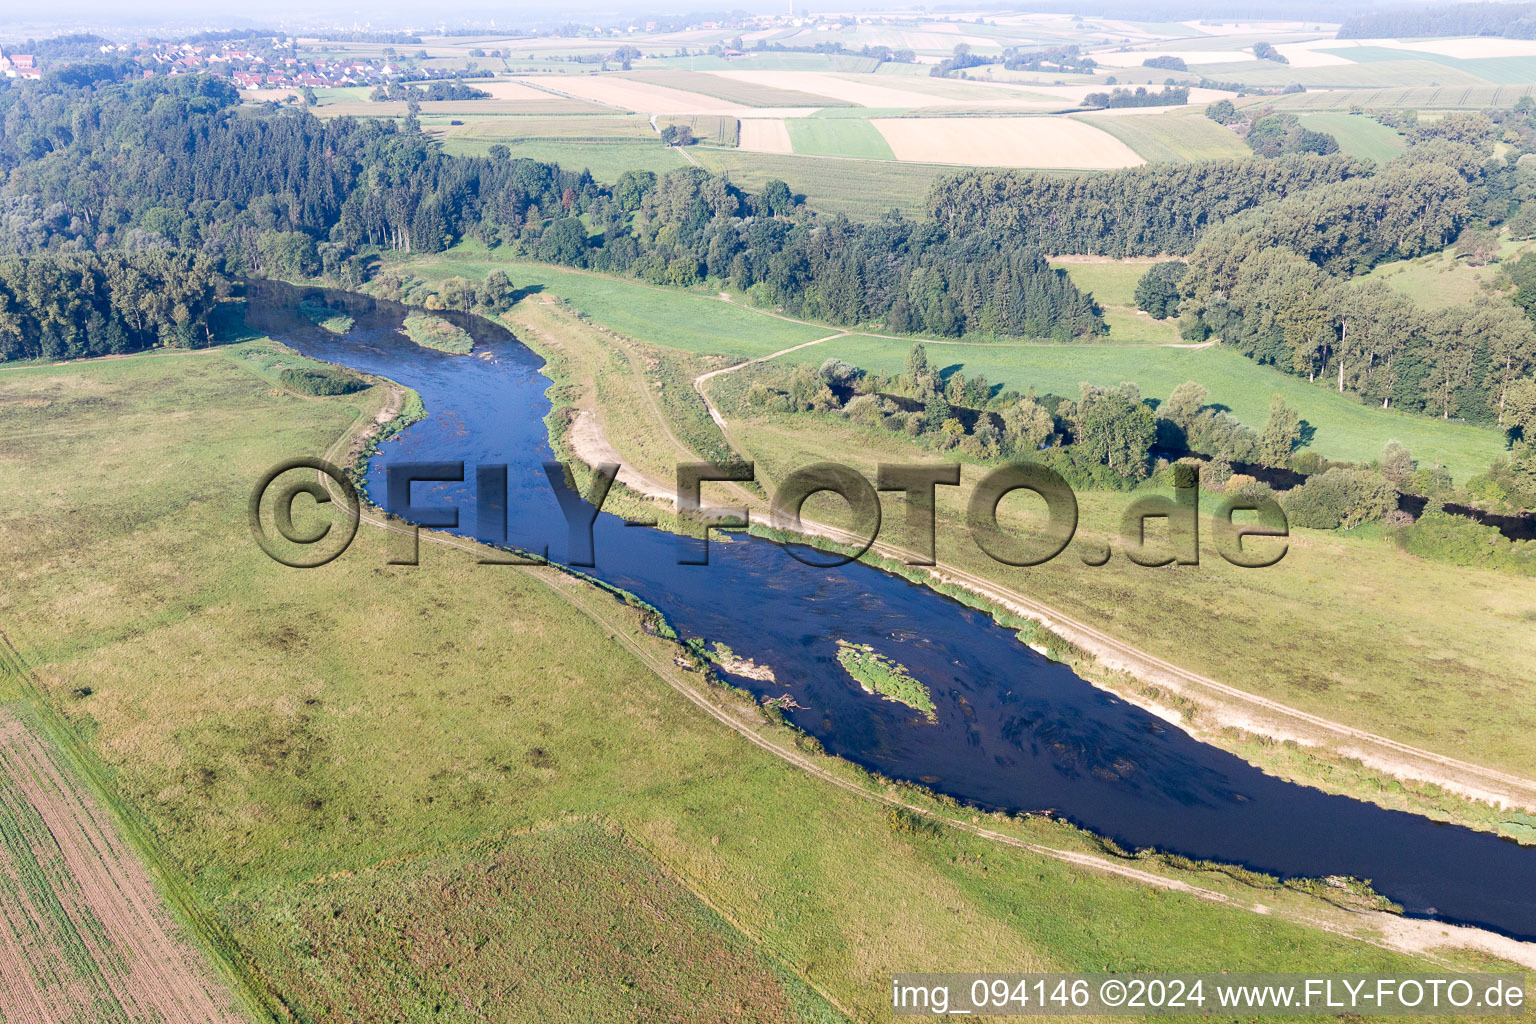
(926, 690)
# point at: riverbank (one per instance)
(928, 805)
(1287, 742)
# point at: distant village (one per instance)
(275, 62)
(248, 63)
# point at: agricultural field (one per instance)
(1358, 135)
(348, 804)
(751, 94)
(711, 130)
(1047, 142)
(817, 136)
(86, 936)
(606, 160)
(1477, 97)
(591, 128)
(766, 135)
(700, 322)
(1344, 428)
(1175, 137)
(1322, 562)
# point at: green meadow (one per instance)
(813, 136)
(1358, 135)
(697, 321)
(363, 774)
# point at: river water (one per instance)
(1014, 730)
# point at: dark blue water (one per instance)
(1015, 731)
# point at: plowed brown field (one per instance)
(83, 934)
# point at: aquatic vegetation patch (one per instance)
(878, 674)
(326, 318)
(434, 332)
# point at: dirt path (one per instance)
(1225, 705)
(698, 382)
(1385, 931)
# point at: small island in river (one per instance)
(435, 332)
(878, 674)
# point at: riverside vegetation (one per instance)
(302, 807)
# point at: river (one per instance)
(1014, 730)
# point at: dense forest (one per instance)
(70, 304)
(1509, 20)
(1280, 282)
(1141, 211)
(176, 163)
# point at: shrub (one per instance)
(1443, 537)
(1158, 290)
(325, 381)
(1340, 497)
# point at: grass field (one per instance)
(1426, 98)
(1403, 71)
(1385, 610)
(334, 759)
(1440, 279)
(606, 160)
(1113, 285)
(1051, 142)
(749, 94)
(1178, 137)
(812, 136)
(859, 188)
(1234, 624)
(1498, 70)
(504, 926)
(592, 128)
(1358, 135)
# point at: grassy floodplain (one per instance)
(698, 321)
(335, 779)
(1237, 625)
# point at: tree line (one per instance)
(68, 305)
(176, 161)
(1139, 211)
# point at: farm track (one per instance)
(1229, 705)
(1375, 928)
